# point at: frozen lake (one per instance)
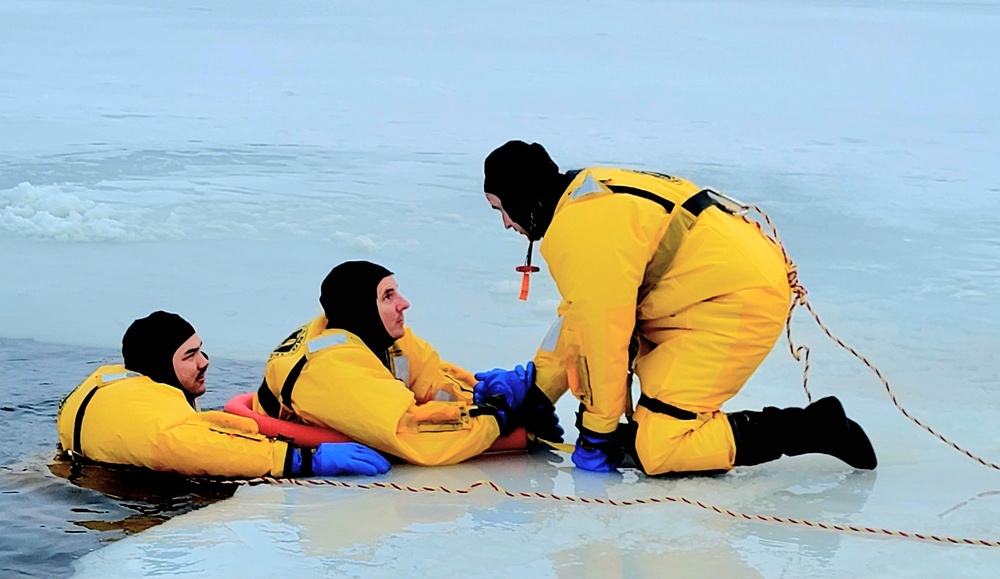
(216, 159)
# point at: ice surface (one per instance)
(325, 531)
(217, 158)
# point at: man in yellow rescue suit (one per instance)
(144, 413)
(359, 370)
(657, 278)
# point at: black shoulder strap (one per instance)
(289, 385)
(701, 201)
(78, 423)
(267, 400)
(271, 404)
(665, 203)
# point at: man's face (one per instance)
(190, 364)
(508, 223)
(391, 305)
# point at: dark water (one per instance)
(53, 512)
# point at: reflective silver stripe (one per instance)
(444, 396)
(589, 185)
(322, 343)
(551, 338)
(115, 376)
(401, 368)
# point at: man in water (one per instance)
(144, 413)
(657, 278)
(359, 370)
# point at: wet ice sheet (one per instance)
(327, 531)
(217, 159)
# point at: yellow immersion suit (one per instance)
(122, 417)
(706, 294)
(419, 411)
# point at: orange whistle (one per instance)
(526, 271)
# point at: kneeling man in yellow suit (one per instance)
(659, 279)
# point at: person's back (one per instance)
(719, 254)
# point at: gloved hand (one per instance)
(512, 385)
(333, 458)
(598, 452)
(538, 416)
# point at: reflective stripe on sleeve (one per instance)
(401, 368)
(324, 342)
(116, 376)
(589, 185)
(552, 337)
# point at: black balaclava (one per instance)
(349, 296)
(528, 183)
(150, 343)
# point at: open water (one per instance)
(54, 511)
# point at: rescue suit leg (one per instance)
(703, 357)
(665, 444)
(822, 427)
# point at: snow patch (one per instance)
(52, 212)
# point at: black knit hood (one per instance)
(149, 345)
(528, 183)
(349, 296)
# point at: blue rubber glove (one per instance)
(334, 458)
(596, 451)
(512, 385)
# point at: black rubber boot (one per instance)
(626, 434)
(822, 427)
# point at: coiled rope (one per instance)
(486, 484)
(801, 353)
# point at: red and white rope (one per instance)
(485, 484)
(801, 353)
